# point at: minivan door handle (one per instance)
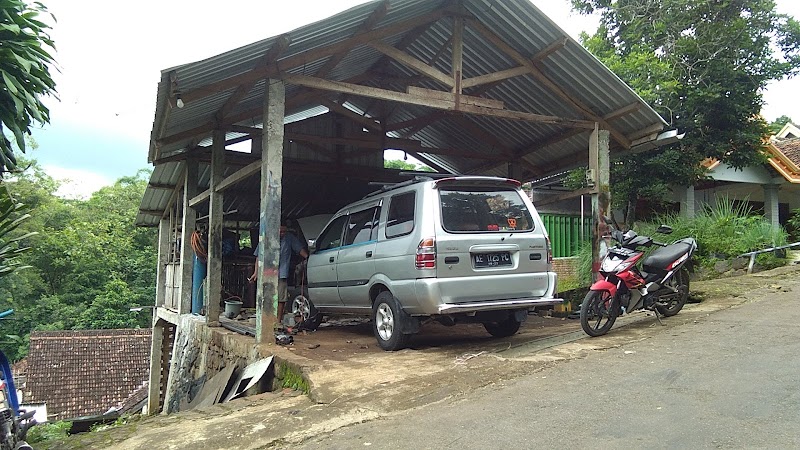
(330, 259)
(369, 254)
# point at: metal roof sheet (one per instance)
(519, 23)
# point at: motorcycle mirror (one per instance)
(664, 229)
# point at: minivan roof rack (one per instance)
(389, 187)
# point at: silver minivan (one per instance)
(458, 249)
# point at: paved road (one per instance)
(730, 380)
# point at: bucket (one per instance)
(232, 308)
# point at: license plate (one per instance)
(491, 259)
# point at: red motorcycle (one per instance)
(660, 285)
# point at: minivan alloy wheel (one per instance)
(384, 321)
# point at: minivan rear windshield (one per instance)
(484, 210)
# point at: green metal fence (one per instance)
(565, 233)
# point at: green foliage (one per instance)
(776, 125)
(403, 165)
(89, 264)
(25, 75)
(703, 66)
(12, 214)
(51, 431)
(793, 225)
(292, 378)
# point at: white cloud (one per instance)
(76, 184)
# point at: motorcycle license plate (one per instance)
(491, 259)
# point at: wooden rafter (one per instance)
(413, 63)
(275, 51)
(352, 115)
(310, 56)
(534, 71)
(457, 64)
(369, 23)
(625, 110)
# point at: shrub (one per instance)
(48, 432)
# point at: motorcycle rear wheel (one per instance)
(680, 282)
(598, 313)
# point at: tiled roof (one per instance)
(87, 372)
(790, 148)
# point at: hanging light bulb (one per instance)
(178, 101)
(405, 156)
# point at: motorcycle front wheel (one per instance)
(598, 313)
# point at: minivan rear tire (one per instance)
(387, 318)
(506, 328)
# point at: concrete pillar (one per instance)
(688, 207)
(213, 289)
(164, 244)
(599, 170)
(154, 386)
(771, 204)
(269, 244)
(188, 227)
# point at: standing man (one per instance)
(290, 245)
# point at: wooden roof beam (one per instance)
(271, 56)
(413, 63)
(549, 84)
(301, 59)
(369, 23)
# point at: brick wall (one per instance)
(565, 267)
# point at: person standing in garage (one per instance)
(290, 245)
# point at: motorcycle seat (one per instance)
(664, 256)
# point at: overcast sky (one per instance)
(110, 56)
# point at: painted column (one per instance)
(688, 207)
(599, 167)
(188, 227)
(164, 238)
(213, 289)
(771, 204)
(154, 386)
(270, 212)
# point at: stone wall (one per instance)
(566, 267)
(199, 353)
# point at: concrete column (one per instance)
(771, 204)
(154, 386)
(213, 289)
(269, 244)
(599, 167)
(188, 227)
(164, 238)
(688, 207)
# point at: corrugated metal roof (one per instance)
(518, 22)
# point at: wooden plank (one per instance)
(493, 77)
(449, 96)
(310, 56)
(341, 109)
(525, 116)
(565, 196)
(625, 110)
(550, 49)
(417, 121)
(542, 78)
(412, 62)
(188, 227)
(457, 63)
(275, 51)
(369, 23)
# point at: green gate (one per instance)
(565, 233)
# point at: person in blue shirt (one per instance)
(290, 245)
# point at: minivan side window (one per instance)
(361, 226)
(331, 237)
(400, 218)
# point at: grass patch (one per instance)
(292, 378)
(45, 432)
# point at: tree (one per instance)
(776, 125)
(703, 66)
(25, 74)
(404, 165)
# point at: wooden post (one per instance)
(458, 47)
(154, 386)
(599, 174)
(164, 244)
(269, 244)
(188, 227)
(513, 171)
(213, 289)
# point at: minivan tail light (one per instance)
(549, 250)
(426, 254)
